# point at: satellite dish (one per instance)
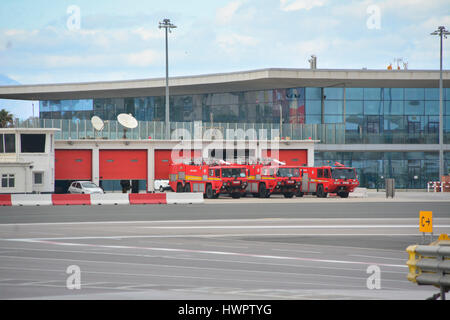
(97, 123)
(127, 121)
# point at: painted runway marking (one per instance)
(214, 253)
(295, 227)
(179, 257)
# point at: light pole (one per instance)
(167, 25)
(442, 33)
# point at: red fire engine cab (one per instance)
(211, 180)
(327, 179)
(265, 180)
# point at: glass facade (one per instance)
(368, 115)
(411, 170)
(333, 115)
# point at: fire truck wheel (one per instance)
(179, 188)
(187, 188)
(235, 195)
(288, 194)
(262, 191)
(343, 194)
(209, 192)
(320, 192)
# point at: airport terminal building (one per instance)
(385, 123)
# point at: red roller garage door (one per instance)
(123, 164)
(291, 157)
(73, 164)
(163, 161)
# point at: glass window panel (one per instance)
(393, 94)
(313, 93)
(10, 143)
(354, 107)
(414, 93)
(295, 94)
(333, 107)
(414, 107)
(372, 94)
(431, 94)
(373, 107)
(354, 93)
(393, 107)
(353, 123)
(333, 118)
(394, 123)
(447, 108)
(313, 119)
(313, 107)
(431, 107)
(333, 93)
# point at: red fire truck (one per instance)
(212, 180)
(327, 179)
(265, 180)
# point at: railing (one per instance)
(82, 129)
(430, 265)
(438, 186)
(333, 133)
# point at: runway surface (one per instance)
(227, 251)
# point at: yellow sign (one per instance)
(426, 221)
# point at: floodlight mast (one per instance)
(167, 25)
(442, 33)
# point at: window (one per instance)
(373, 125)
(38, 177)
(7, 143)
(319, 173)
(32, 143)
(8, 180)
(354, 93)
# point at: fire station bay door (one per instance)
(116, 166)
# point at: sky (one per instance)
(84, 40)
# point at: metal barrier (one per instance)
(430, 265)
(438, 186)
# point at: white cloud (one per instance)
(295, 5)
(234, 39)
(147, 34)
(143, 58)
(225, 14)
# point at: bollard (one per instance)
(390, 188)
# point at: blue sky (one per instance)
(119, 40)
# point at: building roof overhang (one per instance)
(273, 78)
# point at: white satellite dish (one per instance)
(127, 121)
(98, 124)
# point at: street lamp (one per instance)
(167, 25)
(442, 33)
